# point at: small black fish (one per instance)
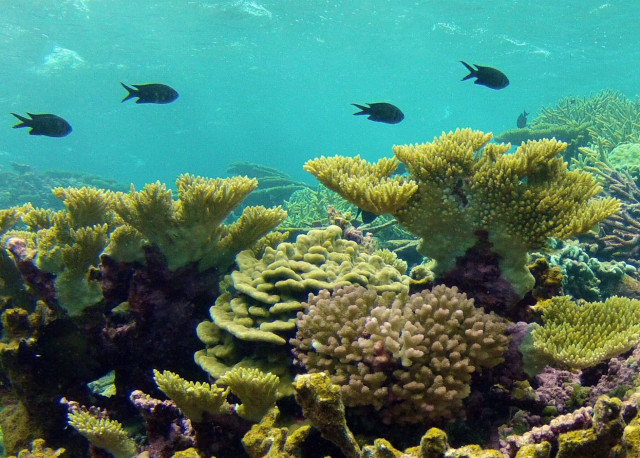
(486, 76)
(381, 112)
(49, 125)
(366, 216)
(522, 120)
(151, 93)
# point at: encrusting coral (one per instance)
(410, 357)
(461, 184)
(582, 335)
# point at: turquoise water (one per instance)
(272, 82)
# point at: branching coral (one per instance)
(103, 433)
(411, 357)
(461, 185)
(580, 336)
(611, 117)
(257, 391)
(193, 399)
(190, 229)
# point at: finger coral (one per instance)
(461, 185)
(411, 357)
(577, 336)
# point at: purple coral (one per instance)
(411, 357)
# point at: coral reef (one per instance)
(410, 357)
(193, 399)
(579, 336)
(265, 439)
(461, 185)
(265, 293)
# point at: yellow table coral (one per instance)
(577, 336)
(461, 184)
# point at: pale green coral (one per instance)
(582, 335)
(460, 184)
(193, 398)
(103, 433)
(257, 391)
(306, 207)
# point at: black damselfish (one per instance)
(486, 76)
(46, 124)
(151, 93)
(522, 120)
(381, 112)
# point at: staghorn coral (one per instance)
(193, 399)
(307, 208)
(264, 294)
(461, 185)
(610, 116)
(189, 229)
(411, 357)
(579, 336)
(574, 134)
(257, 391)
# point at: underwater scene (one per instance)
(319, 228)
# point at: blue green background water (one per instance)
(272, 82)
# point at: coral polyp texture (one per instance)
(461, 184)
(578, 336)
(410, 357)
(264, 294)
